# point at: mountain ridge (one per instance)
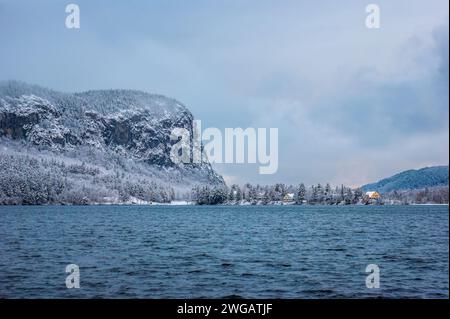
(413, 179)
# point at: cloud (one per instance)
(352, 104)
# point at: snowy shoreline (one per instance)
(189, 203)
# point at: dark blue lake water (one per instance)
(212, 252)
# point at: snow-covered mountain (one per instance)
(123, 133)
(435, 176)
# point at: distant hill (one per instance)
(412, 179)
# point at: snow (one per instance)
(86, 127)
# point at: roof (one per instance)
(373, 194)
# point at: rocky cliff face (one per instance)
(124, 125)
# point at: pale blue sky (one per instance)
(352, 104)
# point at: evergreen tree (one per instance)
(328, 194)
(357, 195)
(301, 194)
(341, 194)
(314, 195)
(238, 193)
(320, 194)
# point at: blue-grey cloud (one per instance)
(352, 104)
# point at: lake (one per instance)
(224, 251)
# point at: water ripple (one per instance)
(224, 252)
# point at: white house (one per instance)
(289, 197)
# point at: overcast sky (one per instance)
(352, 104)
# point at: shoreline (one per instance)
(218, 205)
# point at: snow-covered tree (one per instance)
(301, 194)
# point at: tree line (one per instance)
(312, 195)
(25, 180)
(277, 193)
